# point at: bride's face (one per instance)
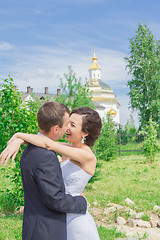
(74, 132)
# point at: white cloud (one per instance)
(44, 66)
(41, 67)
(5, 46)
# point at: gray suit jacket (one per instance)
(46, 203)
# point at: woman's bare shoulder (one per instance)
(89, 150)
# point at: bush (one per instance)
(106, 146)
(150, 145)
(16, 116)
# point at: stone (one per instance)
(156, 207)
(158, 223)
(153, 223)
(132, 212)
(119, 207)
(139, 215)
(129, 201)
(132, 223)
(121, 221)
(109, 210)
(143, 224)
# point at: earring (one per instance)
(83, 139)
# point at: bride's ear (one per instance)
(86, 134)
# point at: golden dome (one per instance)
(112, 112)
(94, 62)
(94, 58)
(94, 66)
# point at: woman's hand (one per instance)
(11, 150)
(12, 138)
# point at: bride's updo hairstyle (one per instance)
(91, 124)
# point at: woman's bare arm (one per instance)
(77, 154)
(11, 150)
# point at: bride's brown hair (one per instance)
(91, 124)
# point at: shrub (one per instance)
(106, 146)
(16, 116)
(150, 145)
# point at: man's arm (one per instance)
(49, 180)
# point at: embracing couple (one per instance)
(55, 208)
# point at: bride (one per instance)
(78, 163)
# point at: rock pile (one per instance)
(127, 218)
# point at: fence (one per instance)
(130, 144)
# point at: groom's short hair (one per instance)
(51, 114)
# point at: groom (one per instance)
(46, 203)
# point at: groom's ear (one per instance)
(54, 129)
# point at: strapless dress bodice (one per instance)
(75, 178)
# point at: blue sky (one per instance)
(39, 39)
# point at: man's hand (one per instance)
(88, 204)
(83, 196)
(11, 150)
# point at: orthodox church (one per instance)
(103, 96)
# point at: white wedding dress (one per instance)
(79, 226)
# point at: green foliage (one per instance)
(73, 94)
(16, 116)
(143, 65)
(7, 202)
(150, 145)
(106, 145)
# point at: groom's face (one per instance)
(62, 130)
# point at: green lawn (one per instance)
(130, 178)
(119, 179)
(11, 227)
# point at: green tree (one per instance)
(16, 116)
(73, 93)
(150, 145)
(106, 145)
(143, 66)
